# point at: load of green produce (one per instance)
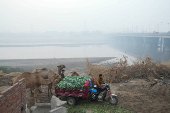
(73, 82)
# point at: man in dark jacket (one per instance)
(99, 85)
(62, 74)
(100, 81)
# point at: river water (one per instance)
(61, 51)
(45, 48)
(58, 52)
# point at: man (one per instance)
(99, 81)
(62, 74)
(99, 85)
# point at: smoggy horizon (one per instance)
(107, 16)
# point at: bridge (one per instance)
(156, 46)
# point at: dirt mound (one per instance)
(141, 98)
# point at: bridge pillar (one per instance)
(151, 48)
(138, 47)
(166, 49)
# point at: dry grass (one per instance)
(167, 64)
(121, 71)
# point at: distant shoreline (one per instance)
(72, 64)
(51, 44)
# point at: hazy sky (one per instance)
(79, 15)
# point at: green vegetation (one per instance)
(96, 107)
(73, 82)
(7, 69)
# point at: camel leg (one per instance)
(49, 89)
(31, 91)
(40, 90)
(36, 99)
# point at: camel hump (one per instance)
(26, 73)
(74, 73)
(43, 68)
(36, 73)
(35, 70)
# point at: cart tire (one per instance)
(71, 101)
(113, 100)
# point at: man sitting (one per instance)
(99, 81)
(99, 85)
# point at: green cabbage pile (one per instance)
(73, 82)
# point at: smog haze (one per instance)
(108, 16)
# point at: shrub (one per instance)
(122, 72)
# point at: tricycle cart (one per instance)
(75, 87)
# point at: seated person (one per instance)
(99, 84)
(99, 81)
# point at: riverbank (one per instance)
(72, 64)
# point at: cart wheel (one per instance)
(71, 101)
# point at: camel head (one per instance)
(74, 74)
(60, 67)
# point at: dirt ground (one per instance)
(135, 95)
(139, 97)
(72, 64)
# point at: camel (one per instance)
(75, 74)
(47, 73)
(44, 72)
(34, 81)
